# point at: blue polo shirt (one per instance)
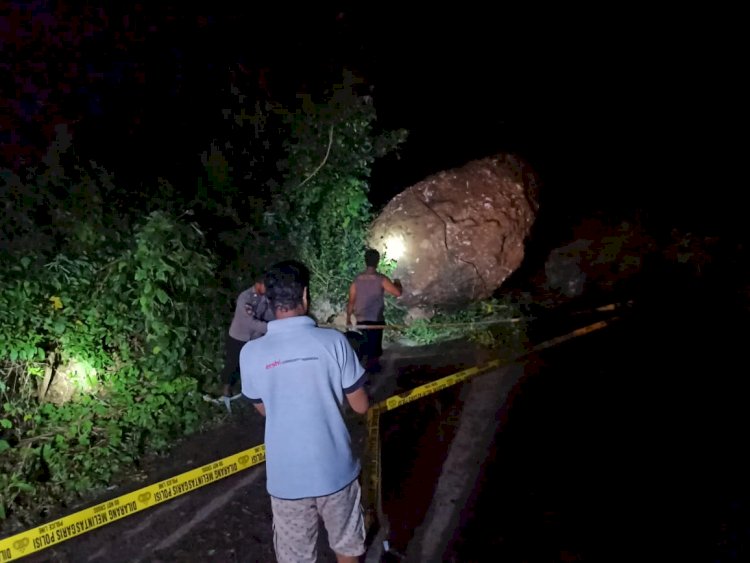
(300, 373)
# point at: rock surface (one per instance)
(600, 257)
(462, 231)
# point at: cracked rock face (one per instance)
(462, 231)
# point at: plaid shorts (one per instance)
(295, 524)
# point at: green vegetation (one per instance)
(322, 208)
(114, 299)
(493, 323)
(105, 321)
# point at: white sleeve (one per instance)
(249, 389)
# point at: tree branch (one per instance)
(325, 158)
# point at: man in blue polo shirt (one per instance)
(298, 376)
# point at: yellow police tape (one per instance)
(78, 523)
(437, 385)
(104, 513)
(372, 469)
(372, 466)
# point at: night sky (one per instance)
(607, 106)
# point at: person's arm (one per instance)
(350, 304)
(257, 327)
(358, 400)
(393, 287)
(249, 390)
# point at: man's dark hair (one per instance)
(285, 284)
(372, 258)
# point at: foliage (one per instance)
(113, 300)
(322, 208)
(108, 300)
(493, 323)
(106, 329)
(233, 192)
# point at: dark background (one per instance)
(616, 109)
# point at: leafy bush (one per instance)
(322, 208)
(112, 304)
(107, 326)
(493, 323)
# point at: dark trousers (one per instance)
(231, 372)
(372, 347)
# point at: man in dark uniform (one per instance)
(251, 315)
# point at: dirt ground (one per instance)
(230, 520)
(226, 521)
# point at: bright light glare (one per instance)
(394, 247)
(84, 374)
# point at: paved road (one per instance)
(625, 445)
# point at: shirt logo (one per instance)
(277, 363)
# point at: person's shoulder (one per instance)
(328, 333)
(250, 345)
(384, 279)
(246, 293)
(323, 329)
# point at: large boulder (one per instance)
(461, 231)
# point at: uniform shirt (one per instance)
(246, 327)
(301, 373)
